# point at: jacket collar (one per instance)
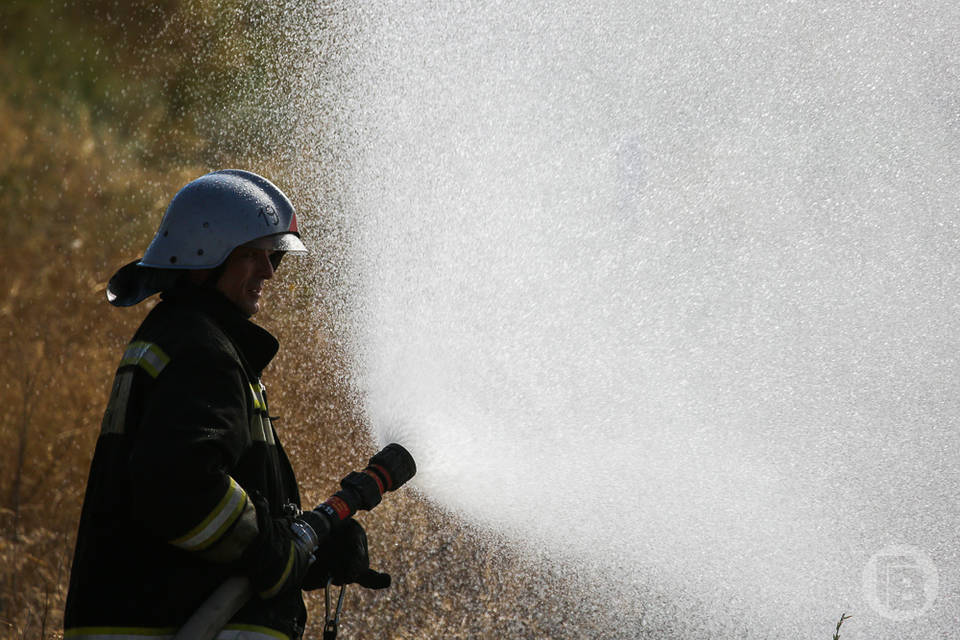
(257, 345)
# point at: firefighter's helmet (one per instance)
(205, 221)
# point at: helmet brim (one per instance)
(286, 242)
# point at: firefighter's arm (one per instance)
(195, 429)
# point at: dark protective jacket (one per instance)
(186, 451)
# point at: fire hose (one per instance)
(388, 470)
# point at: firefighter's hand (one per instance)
(274, 563)
(343, 559)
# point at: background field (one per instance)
(107, 108)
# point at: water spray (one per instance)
(711, 243)
(387, 471)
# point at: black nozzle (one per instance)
(394, 464)
(387, 471)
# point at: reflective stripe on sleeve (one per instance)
(217, 521)
(147, 356)
(232, 544)
(275, 589)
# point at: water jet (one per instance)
(681, 280)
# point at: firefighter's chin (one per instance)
(251, 301)
(246, 299)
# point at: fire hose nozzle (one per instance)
(395, 463)
(388, 470)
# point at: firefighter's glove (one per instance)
(343, 559)
(273, 561)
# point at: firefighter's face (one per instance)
(244, 274)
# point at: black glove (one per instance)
(343, 559)
(273, 561)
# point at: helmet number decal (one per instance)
(269, 215)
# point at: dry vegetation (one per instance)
(100, 123)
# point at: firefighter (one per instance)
(189, 484)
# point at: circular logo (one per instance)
(900, 582)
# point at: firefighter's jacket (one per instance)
(186, 449)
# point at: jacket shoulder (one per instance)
(178, 331)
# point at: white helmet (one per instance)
(206, 220)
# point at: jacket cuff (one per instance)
(226, 531)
